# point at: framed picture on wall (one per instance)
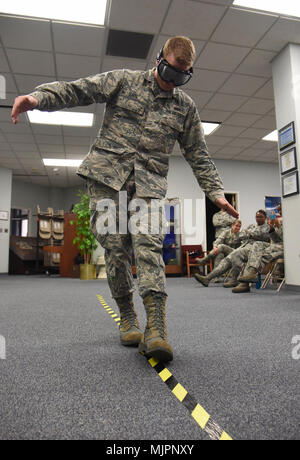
(288, 161)
(290, 184)
(3, 215)
(286, 136)
(272, 205)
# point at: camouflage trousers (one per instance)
(263, 253)
(238, 258)
(121, 244)
(223, 251)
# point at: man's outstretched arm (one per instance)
(22, 104)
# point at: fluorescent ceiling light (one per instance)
(90, 12)
(61, 162)
(283, 7)
(273, 136)
(61, 118)
(209, 127)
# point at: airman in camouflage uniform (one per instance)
(221, 221)
(236, 259)
(146, 113)
(263, 253)
(227, 241)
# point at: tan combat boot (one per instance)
(154, 341)
(242, 287)
(130, 333)
(203, 260)
(250, 276)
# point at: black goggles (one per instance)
(169, 73)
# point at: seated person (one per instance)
(263, 253)
(224, 244)
(237, 258)
(221, 221)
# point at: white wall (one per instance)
(5, 205)
(286, 78)
(253, 181)
(28, 196)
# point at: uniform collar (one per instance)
(149, 75)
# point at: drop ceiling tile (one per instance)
(216, 56)
(3, 62)
(20, 137)
(31, 62)
(226, 102)
(254, 133)
(10, 163)
(207, 80)
(266, 92)
(212, 148)
(3, 138)
(266, 122)
(283, 32)
(5, 154)
(20, 128)
(229, 151)
(45, 139)
(200, 97)
(218, 140)
(73, 66)
(86, 133)
(10, 99)
(28, 83)
(257, 106)
(192, 19)
(79, 140)
(137, 15)
(20, 147)
(51, 148)
(242, 119)
(242, 85)
(49, 130)
(9, 82)
(240, 27)
(214, 115)
(258, 63)
(242, 142)
(113, 63)
(78, 149)
(78, 39)
(47, 154)
(265, 145)
(75, 156)
(22, 33)
(229, 131)
(28, 155)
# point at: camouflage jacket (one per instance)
(221, 220)
(254, 233)
(277, 235)
(229, 238)
(140, 127)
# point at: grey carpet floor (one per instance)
(66, 376)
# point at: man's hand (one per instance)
(22, 104)
(223, 204)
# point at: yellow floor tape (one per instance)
(199, 414)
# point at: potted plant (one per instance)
(84, 240)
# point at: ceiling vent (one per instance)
(128, 44)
